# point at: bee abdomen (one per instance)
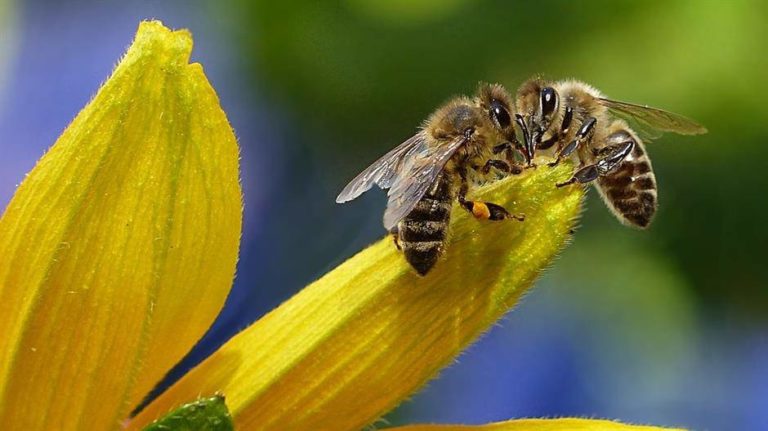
(423, 232)
(422, 236)
(423, 255)
(631, 190)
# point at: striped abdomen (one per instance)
(422, 233)
(630, 190)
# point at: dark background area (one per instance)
(666, 326)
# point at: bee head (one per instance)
(527, 97)
(457, 119)
(549, 102)
(495, 100)
(538, 104)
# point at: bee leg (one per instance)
(484, 210)
(548, 143)
(584, 175)
(396, 237)
(488, 211)
(613, 155)
(557, 137)
(509, 150)
(502, 166)
(611, 158)
(498, 149)
(584, 135)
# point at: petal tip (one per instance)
(153, 35)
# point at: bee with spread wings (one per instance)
(575, 118)
(454, 150)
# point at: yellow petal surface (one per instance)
(118, 249)
(565, 424)
(354, 344)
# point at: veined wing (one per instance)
(418, 174)
(654, 118)
(382, 171)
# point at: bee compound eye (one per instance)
(500, 114)
(548, 101)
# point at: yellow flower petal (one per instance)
(565, 424)
(119, 248)
(355, 343)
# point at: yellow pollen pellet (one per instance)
(481, 211)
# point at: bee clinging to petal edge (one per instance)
(460, 144)
(605, 135)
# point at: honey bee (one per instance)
(455, 149)
(575, 118)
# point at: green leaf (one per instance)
(205, 414)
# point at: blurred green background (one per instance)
(665, 326)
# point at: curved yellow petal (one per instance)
(564, 424)
(355, 343)
(119, 248)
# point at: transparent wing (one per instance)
(646, 132)
(649, 121)
(382, 171)
(420, 170)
